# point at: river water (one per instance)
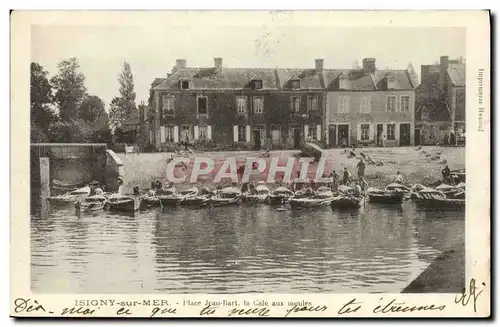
(238, 250)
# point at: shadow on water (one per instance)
(238, 249)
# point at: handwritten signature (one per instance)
(464, 298)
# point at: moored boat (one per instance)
(122, 204)
(280, 195)
(149, 200)
(257, 195)
(91, 204)
(436, 200)
(70, 197)
(169, 197)
(385, 196)
(226, 196)
(322, 197)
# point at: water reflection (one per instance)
(238, 249)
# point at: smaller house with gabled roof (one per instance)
(369, 107)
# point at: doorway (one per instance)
(332, 136)
(257, 135)
(296, 138)
(404, 134)
(417, 137)
(380, 132)
(343, 135)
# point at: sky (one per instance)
(151, 49)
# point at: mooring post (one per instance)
(44, 182)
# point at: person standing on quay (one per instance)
(361, 168)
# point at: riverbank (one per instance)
(446, 274)
(417, 166)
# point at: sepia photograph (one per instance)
(270, 156)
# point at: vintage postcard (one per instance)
(211, 164)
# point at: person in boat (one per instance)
(240, 171)
(136, 191)
(347, 176)
(357, 190)
(398, 179)
(157, 185)
(446, 174)
(93, 187)
(120, 185)
(361, 168)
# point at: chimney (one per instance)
(443, 67)
(181, 63)
(319, 65)
(218, 63)
(369, 65)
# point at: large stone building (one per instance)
(440, 101)
(369, 106)
(257, 107)
(275, 108)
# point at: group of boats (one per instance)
(442, 197)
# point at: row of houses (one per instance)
(263, 107)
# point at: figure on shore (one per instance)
(446, 174)
(335, 181)
(361, 168)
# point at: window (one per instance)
(258, 105)
(169, 131)
(296, 104)
(203, 132)
(405, 103)
(391, 132)
(276, 133)
(185, 85)
(365, 105)
(365, 132)
(296, 84)
(312, 132)
(168, 104)
(241, 133)
(343, 105)
(186, 133)
(257, 84)
(391, 103)
(312, 103)
(202, 105)
(241, 105)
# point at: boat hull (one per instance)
(221, 202)
(347, 202)
(149, 202)
(307, 203)
(170, 201)
(123, 205)
(277, 200)
(195, 201)
(388, 198)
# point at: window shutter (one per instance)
(248, 133)
(396, 131)
(162, 134)
(372, 131)
(318, 132)
(176, 134)
(235, 133)
(209, 132)
(196, 132)
(306, 131)
(359, 133)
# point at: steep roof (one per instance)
(157, 81)
(225, 78)
(457, 74)
(281, 78)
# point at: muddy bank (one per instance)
(446, 274)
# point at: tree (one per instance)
(41, 114)
(69, 85)
(93, 120)
(123, 107)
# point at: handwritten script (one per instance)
(464, 298)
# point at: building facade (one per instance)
(369, 107)
(278, 108)
(440, 101)
(260, 108)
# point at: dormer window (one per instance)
(295, 84)
(257, 84)
(185, 84)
